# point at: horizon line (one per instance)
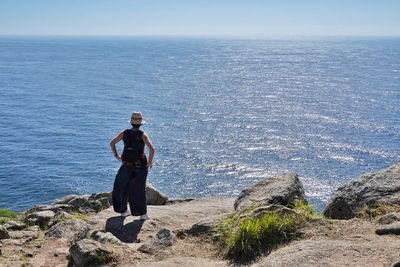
(196, 36)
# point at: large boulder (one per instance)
(72, 230)
(87, 252)
(369, 189)
(154, 196)
(282, 189)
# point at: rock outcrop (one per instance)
(389, 218)
(89, 252)
(388, 229)
(154, 196)
(72, 230)
(163, 239)
(3, 232)
(40, 218)
(282, 189)
(370, 189)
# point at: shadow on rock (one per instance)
(126, 233)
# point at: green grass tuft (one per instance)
(7, 213)
(242, 241)
(374, 210)
(303, 207)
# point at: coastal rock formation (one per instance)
(25, 235)
(3, 232)
(41, 218)
(388, 229)
(14, 225)
(282, 189)
(72, 230)
(104, 237)
(154, 196)
(370, 189)
(88, 252)
(322, 253)
(54, 208)
(164, 238)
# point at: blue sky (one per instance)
(253, 18)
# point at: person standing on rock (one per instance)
(130, 181)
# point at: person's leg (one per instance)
(119, 193)
(137, 192)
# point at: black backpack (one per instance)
(133, 146)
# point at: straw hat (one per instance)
(136, 118)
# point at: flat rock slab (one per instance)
(174, 217)
(184, 262)
(326, 253)
(388, 229)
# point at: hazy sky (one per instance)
(258, 18)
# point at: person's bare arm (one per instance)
(113, 142)
(147, 141)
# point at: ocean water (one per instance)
(222, 114)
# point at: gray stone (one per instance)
(388, 229)
(3, 233)
(98, 196)
(105, 202)
(41, 218)
(59, 216)
(105, 237)
(25, 235)
(54, 208)
(370, 189)
(72, 230)
(320, 253)
(154, 196)
(396, 262)
(91, 206)
(78, 201)
(65, 199)
(389, 218)
(163, 239)
(61, 252)
(282, 189)
(14, 225)
(88, 252)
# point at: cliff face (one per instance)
(84, 230)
